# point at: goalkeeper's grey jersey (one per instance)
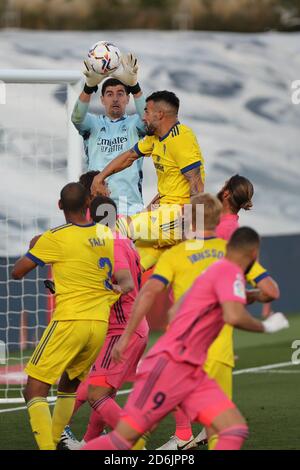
(105, 139)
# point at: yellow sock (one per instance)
(140, 444)
(41, 422)
(62, 413)
(212, 441)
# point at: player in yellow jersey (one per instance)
(82, 256)
(180, 174)
(178, 267)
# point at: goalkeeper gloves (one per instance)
(127, 72)
(275, 322)
(92, 79)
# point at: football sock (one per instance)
(232, 438)
(183, 425)
(41, 422)
(212, 441)
(62, 413)
(111, 441)
(141, 443)
(108, 410)
(94, 428)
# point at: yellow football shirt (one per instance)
(182, 264)
(82, 258)
(173, 155)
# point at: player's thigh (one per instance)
(221, 373)
(116, 373)
(207, 401)
(160, 226)
(161, 384)
(56, 350)
(82, 362)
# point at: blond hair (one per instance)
(212, 210)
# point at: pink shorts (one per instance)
(162, 384)
(118, 373)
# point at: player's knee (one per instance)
(97, 392)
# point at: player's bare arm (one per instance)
(23, 266)
(124, 280)
(269, 290)
(195, 181)
(141, 307)
(235, 314)
(119, 163)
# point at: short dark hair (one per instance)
(113, 82)
(244, 238)
(108, 215)
(86, 179)
(73, 197)
(166, 96)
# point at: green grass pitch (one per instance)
(269, 399)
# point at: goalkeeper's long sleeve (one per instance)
(140, 103)
(82, 120)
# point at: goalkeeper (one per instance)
(106, 136)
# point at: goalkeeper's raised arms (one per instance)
(119, 163)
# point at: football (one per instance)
(104, 57)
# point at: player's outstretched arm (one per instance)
(195, 181)
(141, 307)
(119, 163)
(23, 266)
(235, 314)
(269, 290)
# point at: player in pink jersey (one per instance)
(106, 376)
(172, 373)
(237, 194)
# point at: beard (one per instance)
(150, 129)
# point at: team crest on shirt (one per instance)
(239, 288)
(123, 128)
(102, 129)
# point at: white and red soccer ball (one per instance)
(104, 57)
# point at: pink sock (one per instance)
(108, 410)
(81, 395)
(95, 427)
(111, 441)
(232, 438)
(183, 425)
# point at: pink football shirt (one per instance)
(126, 257)
(228, 224)
(199, 320)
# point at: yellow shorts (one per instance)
(160, 227)
(221, 373)
(67, 346)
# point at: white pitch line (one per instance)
(236, 372)
(268, 367)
